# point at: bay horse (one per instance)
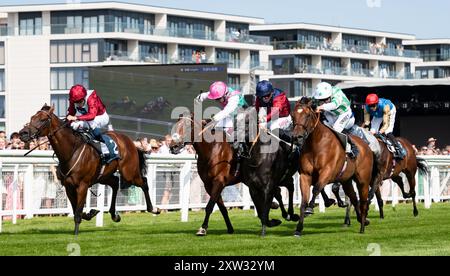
(216, 166)
(80, 166)
(323, 161)
(391, 168)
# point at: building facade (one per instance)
(306, 54)
(45, 49)
(435, 55)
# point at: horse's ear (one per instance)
(45, 106)
(52, 109)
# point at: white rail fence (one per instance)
(28, 187)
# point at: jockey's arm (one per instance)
(92, 111)
(280, 106)
(71, 111)
(203, 96)
(386, 119)
(232, 106)
(329, 106)
(366, 117)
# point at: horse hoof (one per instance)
(116, 218)
(156, 211)
(345, 225)
(230, 231)
(295, 217)
(416, 213)
(309, 211)
(274, 223)
(342, 205)
(201, 232)
(367, 222)
(297, 234)
(274, 206)
(330, 203)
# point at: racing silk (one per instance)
(383, 103)
(93, 107)
(339, 104)
(384, 110)
(233, 101)
(279, 103)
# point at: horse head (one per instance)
(182, 133)
(305, 120)
(39, 126)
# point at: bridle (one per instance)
(308, 132)
(44, 124)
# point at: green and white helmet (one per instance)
(323, 91)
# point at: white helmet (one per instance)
(323, 91)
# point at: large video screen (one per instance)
(140, 99)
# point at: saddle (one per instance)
(390, 145)
(344, 140)
(99, 147)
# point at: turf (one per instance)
(144, 234)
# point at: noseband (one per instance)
(308, 132)
(46, 123)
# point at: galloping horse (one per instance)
(269, 166)
(80, 166)
(216, 165)
(323, 161)
(390, 168)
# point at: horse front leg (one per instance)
(81, 192)
(279, 198)
(113, 182)
(305, 185)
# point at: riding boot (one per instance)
(351, 149)
(111, 147)
(401, 153)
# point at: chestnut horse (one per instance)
(216, 166)
(323, 160)
(80, 166)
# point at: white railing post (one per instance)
(435, 184)
(100, 205)
(246, 197)
(426, 192)
(28, 192)
(185, 189)
(151, 181)
(14, 195)
(394, 191)
(1, 195)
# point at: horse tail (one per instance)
(142, 163)
(422, 165)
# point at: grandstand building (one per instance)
(45, 49)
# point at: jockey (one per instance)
(230, 100)
(277, 105)
(382, 112)
(337, 110)
(87, 111)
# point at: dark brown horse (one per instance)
(216, 165)
(79, 163)
(391, 168)
(323, 160)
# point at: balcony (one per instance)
(435, 57)
(151, 30)
(322, 46)
(339, 71)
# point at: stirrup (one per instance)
(115, 157)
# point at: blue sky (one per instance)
(423, 18)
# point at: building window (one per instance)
(283, 65)
(230, 57)
(302, 88)
(2, 107)
(61, 103)
(331, 66)
(357, 44)
(99, 21)
(234, 81)
(30, 23)
(387, 69)
(237, 31)
(2, 80)
(254, 59)
(190, 54)
(190, 27)
(65, 78)
(74, 51)
(2, 53)
(360, 68)
(153, 52)
(302, 65)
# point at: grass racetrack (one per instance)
(144, 234)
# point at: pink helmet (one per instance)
(217, 90)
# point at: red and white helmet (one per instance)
(217, 90)
(77, 93)
(372, 99)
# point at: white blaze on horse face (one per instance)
(176, 137)
(300, 111)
